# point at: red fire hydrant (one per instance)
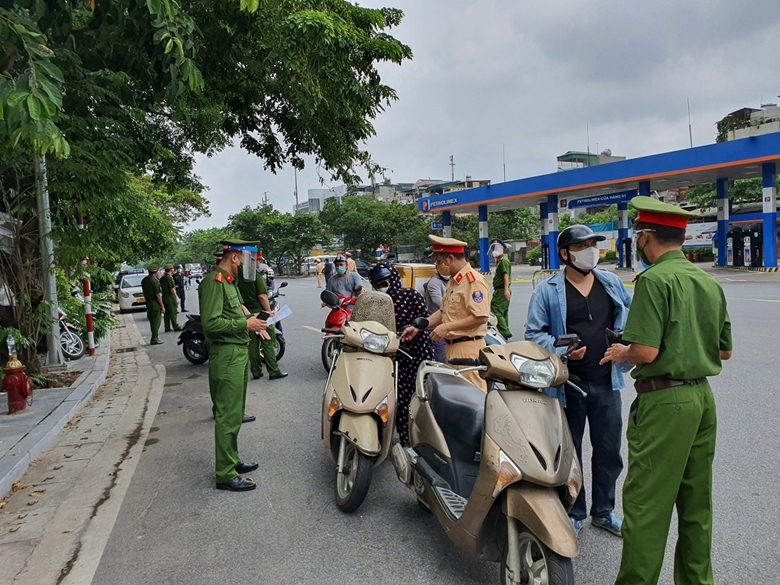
(17, 384)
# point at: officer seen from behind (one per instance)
(227, 326)
(155, 308)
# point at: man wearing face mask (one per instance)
(679, 334)
(462, 320)
(502, 293)
(343, 283)
(583, 300)
(434, 290)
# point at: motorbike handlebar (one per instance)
(333, 331)
(465, 362)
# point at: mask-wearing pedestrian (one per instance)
(341, 270)
(496, 253)
(586, 260)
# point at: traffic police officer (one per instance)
(462, 320)
(678, 331)
(154, 302)
(170, 300)
(255, 295)
(227, 326)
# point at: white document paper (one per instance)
(282, 313)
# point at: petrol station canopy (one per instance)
(736, 159)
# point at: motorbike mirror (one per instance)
(567, 340)
(284, 284)
(330, 298)
(420, 323)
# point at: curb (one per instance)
(748, 268)
(15, 463)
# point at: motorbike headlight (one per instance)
(534, 374)
(574, 482)
(373, 342)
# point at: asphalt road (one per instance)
(175, 528)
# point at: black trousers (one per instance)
(180, 292)
(602, 409)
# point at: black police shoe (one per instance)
(237, 484)
(246, 467)
(249, 418)
(278, 376)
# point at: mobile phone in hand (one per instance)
(263, 315)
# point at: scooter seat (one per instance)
(459, 407)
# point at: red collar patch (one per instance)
(458, 278)
(229, 279)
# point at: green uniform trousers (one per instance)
(671, 445)
(154, 314)
(171, 313)
(269, 354)
(227, 384)
(500, 307)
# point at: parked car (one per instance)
(129, 292)
(363, 267)
(391, 257)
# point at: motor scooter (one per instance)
(493, 337)
(359, 401)
(340, 313)
(498, 471)
(193, 341)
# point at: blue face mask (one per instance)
(341, 270)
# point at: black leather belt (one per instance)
(653, 384)
(462, 339)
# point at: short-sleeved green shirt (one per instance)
(166, 284)
(680, 310)
(221, 314)
(151, 287)
(249, 290)
(502, 267)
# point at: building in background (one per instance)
(577, 160)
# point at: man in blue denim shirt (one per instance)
(586, 301)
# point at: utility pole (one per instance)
(54, 355)
(690, 131)
(296, 189)
(452, 167)
(587, 132)
(265, 197)
(503, 157)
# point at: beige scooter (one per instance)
(359, 402)
(500, 471)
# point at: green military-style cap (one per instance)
(169, 267)
(660, 213)
(154, 267)
(240, 245)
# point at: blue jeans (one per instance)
(438, 351)
(604, 413)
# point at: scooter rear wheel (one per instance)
(195, 351)
(351, 486)
(538, 563)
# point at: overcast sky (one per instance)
(532, 75)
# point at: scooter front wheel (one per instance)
(330, 345)
(354, 479)
(538, 564)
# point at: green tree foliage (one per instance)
(281, 235)
(516, 224)
(366, 224)
(600, 217)
(199, 246)
(740, 191)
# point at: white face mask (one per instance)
(384, 289)
(496, 252)
(586, 259)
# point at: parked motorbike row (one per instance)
(499, 472)
(193, 341)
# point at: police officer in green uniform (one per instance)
(154, 302)
(227, 325)
(502, 281)
(170, 300)
(678, 333)
(255, 295)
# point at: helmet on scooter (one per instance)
(378, 273)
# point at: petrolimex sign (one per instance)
(597, 200)
(425, 205)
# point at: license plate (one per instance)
(140, 300)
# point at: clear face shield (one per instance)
(249, 263)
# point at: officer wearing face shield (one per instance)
(584, 300)
(227, 325)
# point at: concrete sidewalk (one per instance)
(27, 435)
(55, 523)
